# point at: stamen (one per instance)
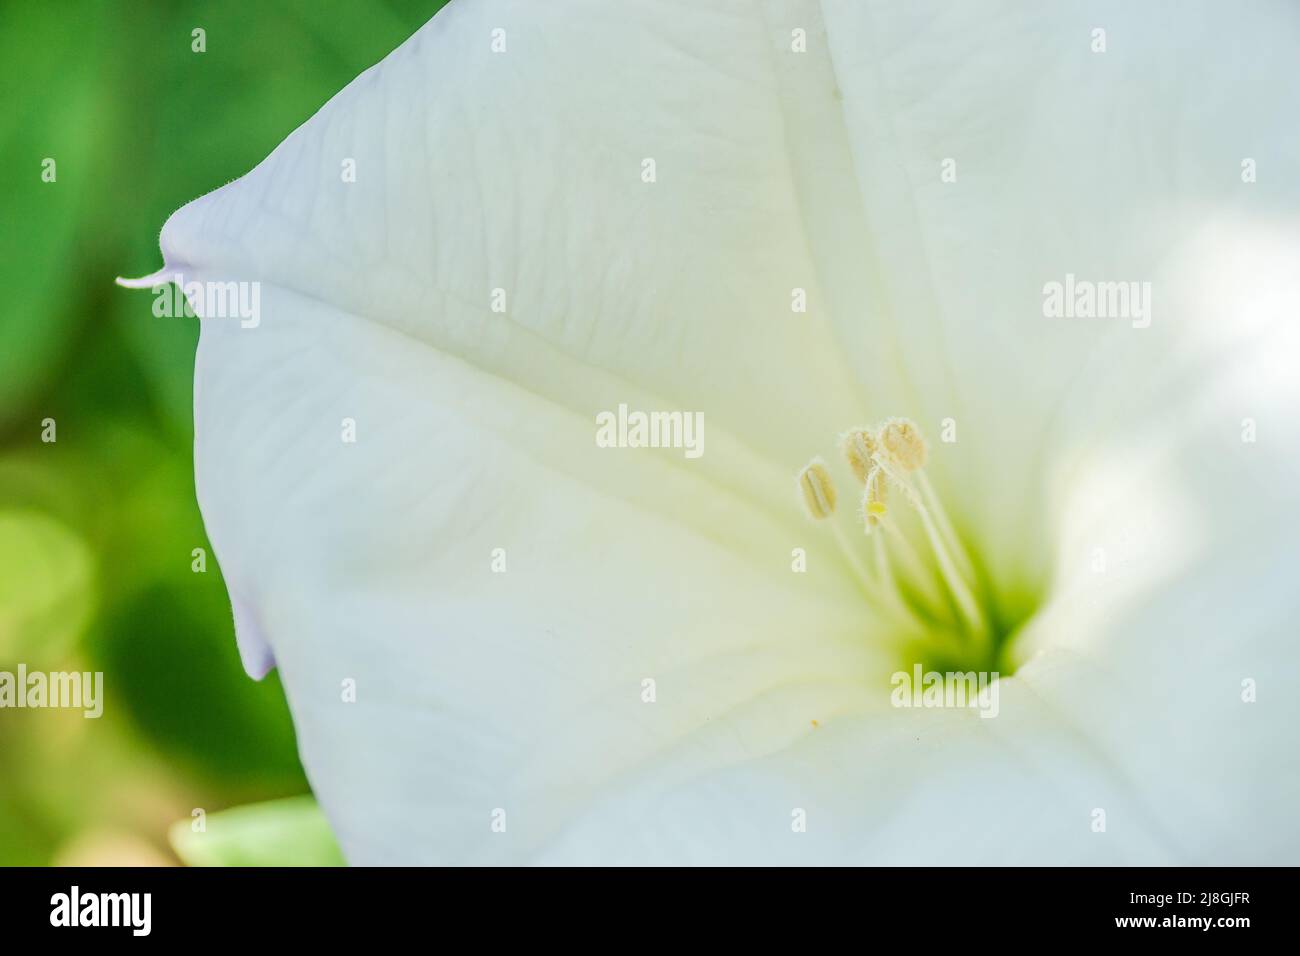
(858, 445)
(948, 569)
(945, 525)
(886, 574)
(900, 441)
(873, 499)
(888, 588)
(817, 490)
(916, 570)
(902, 450)
(893, 455)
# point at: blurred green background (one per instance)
(98, 528)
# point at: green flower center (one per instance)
(914, 566)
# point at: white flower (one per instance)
(562, 207)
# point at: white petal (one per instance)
(913, 787)
(522, 172)
(1134, 702)
(1195, 513)
(1067, 161)
(370, 561)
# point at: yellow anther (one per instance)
(817, 490)
(900, 440)
(859, 446)
(888, 460)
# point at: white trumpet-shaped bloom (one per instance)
(502, 641)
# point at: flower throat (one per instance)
(925, 583)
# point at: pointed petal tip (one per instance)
(161, 277)
(254, 650)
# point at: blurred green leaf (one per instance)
(47, 587)
(203, 119)
(290, 832)
(138, 123)
(170, 660)
(54, 161)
